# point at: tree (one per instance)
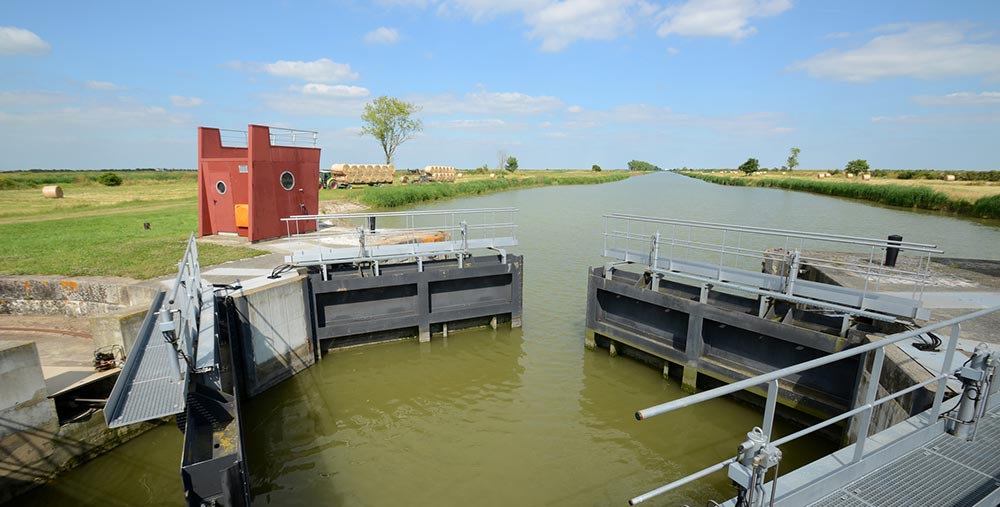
(596, 168)
(750, 166)
(793, 159)
(390, 121)
(857, 166)
(511, 164)
(639, 165)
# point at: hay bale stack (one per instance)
(52, 192)
(440, 172)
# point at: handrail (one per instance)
(687, 401)
(836, 238)
(870, 402)
(398, 213)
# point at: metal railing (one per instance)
(293, 137)
(154, 379)
(232, 138)
(864, 411)
(375, 237)
(707, 252)
(180, 314)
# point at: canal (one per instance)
(509, 417)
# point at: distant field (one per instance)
(968, 190)
(96, 230)
(972, 198)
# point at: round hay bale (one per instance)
(52, 192)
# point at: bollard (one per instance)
(893, 251)
(371, 224)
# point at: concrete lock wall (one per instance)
(34, 448)
(276, 329)
(76, 297)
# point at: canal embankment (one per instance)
(910, 196)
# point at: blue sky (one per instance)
(558, 84)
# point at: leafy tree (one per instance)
(596, 168)
(750, 166)
(857, 166)
(639, 165)
(390, 121)
(793, 159)
(511, 164)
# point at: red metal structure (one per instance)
(263, 175)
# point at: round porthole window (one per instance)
(221, 187)
(287, 180)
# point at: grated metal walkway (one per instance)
(947, 471)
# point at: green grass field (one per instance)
(96, 230)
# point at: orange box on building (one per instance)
(248, 190)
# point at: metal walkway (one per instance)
(352, 238)
(947, 471)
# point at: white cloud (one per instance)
(179, 101)
(673, 51)
(718, 18)
(939, 119)
(104, 86)
(960, 99)
(323, 70)
(923, 51)
(559, 24)
(574, 109)
(382, 35)
(18, 41)
(332, 90)
(486, 102)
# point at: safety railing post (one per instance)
(769, 408)
(870, 393)
(949, 356)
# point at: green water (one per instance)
(509, 417)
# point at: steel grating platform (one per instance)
(947, 471)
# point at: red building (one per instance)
(248, 190)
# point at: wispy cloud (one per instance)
(488, 103)
(325, 90)
(18, 41)
(31, 98)
(940, 119)
(382, 35)
(556, 23)
(104, 86)
(323, 70)
(960, 99)
(181, 101)
(923, 51)
(718, 18)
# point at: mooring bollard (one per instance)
(892, 252)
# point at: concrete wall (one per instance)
(33, 447)
(76, 297)
(276, 327)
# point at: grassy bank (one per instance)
(108, 244)
(905, 196)
(395, 196)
